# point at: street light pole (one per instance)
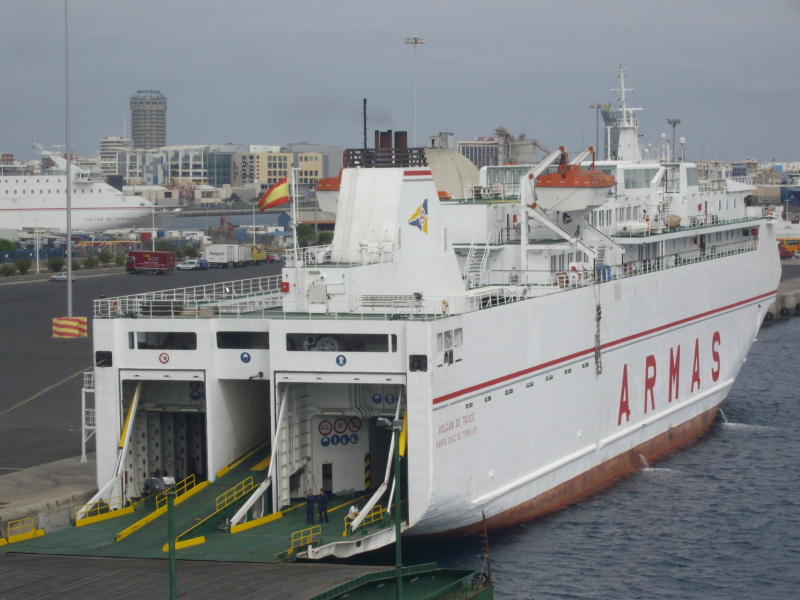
(415, 41)
(397, 426)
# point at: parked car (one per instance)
(783, 252)
(188, 265)
(193, 264)
(62, 276)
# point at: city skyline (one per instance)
(245, 73)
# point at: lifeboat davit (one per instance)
(571, 188)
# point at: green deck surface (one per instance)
(258, 544)
(267, 543)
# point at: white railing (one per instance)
(196, 299)
(319, 256)
(261, 298)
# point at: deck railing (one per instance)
(261, 298)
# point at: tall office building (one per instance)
(148, 119)
(109, 154)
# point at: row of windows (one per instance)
(59, 180)
(259, 340)
(74, 191)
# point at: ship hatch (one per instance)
(329, 437)
(167, 430)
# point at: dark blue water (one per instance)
(720, 519)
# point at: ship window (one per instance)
(341, 342)
(246, 340)
(417, 362)
(458, 337)
(162, 340)
(448, 339)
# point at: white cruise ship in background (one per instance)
(528, 344)
(31, 201)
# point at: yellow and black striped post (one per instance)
(367, 472)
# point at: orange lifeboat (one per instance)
(328, 193)
(571, 188)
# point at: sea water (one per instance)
(719, 519)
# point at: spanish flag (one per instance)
(275, 196)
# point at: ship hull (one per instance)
(591, 481)
(547, 428)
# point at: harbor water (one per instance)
(720, 519)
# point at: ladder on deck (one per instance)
(601, 255)
(476, 263)
(347, 219)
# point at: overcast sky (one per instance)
(267, 72)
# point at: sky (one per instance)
(267, 72)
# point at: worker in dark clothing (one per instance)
(322, 506)
(310, 499)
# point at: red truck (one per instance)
(147, 261)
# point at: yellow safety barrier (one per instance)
(101, 510)
(304, 537)
(181, 488)
(69, 327)
(232, 495)
(256, 522)
(223, 500)
(22, 529)
(239, 461)
(263, 465)
(185, 543)
(376, 514)
(162, 509)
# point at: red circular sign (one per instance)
(340, 425)
(163, 358)
(354, 424)
(325, 427)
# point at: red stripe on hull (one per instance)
(591, 481)
(607, 345)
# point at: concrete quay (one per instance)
(48, 493)
(787, 303)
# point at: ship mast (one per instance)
(628, 125)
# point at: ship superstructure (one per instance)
(532, 355)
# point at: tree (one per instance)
(7, 245)
(8, 269)
(105, 257)
(55, 263)
(324, 238)
(165, 246)
(306, 235)
(90, 262)
(119, 259)
(23, 265)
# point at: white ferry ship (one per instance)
(531, 355)
(38, 201)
